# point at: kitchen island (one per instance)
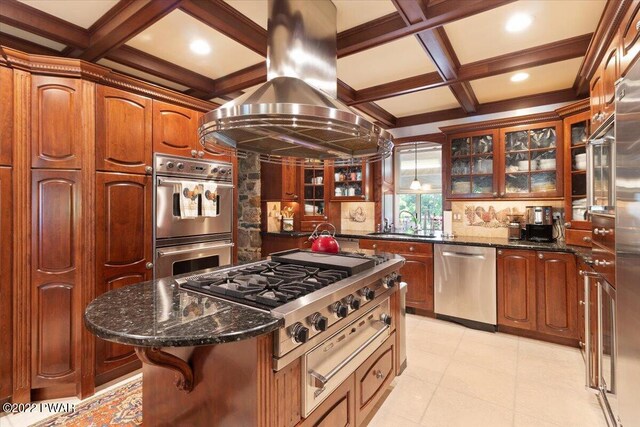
(212, 361)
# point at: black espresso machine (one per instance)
(539, 223)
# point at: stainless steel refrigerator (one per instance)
(627, 147)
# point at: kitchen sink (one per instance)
(419, 234)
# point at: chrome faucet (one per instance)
(414, 217)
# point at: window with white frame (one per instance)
(421, 162)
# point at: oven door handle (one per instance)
(173, 182)
(162, 253)
(320, 381)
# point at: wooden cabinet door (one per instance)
(517, 288)
(6, 302)
(629, 35)
(610, 67)
(596, 99)
(56, 122)
(418, 273)
(123, 247)
(56, 249)
(557, 294)
(280, 181)
(6, 116)
(373, 377)
(123, 131)
(338, 410)
(175, 129)
(290, 182)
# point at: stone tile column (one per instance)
(249, 240)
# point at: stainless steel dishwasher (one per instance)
(465, 285)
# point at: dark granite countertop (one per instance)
(158, 313)
(286, 234)
(497, 242)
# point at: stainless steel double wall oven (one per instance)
(183, 244)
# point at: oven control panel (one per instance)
(193, 168)
(316, 322)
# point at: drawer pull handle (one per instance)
(411, 249)
(602, 263)
(374, 246)
(586, 239)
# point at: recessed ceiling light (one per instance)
(200, 47)
(518, 77)
(518, 22)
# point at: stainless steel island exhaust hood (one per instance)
(295, 114)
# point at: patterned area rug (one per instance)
(119, 407)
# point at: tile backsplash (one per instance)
(490, 218)
(357, 216)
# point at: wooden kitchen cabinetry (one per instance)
(373, 377)
(56, 275)
(175, 130)
(275, 243)
(629, 36)
(472, 159)
(537, 292)
(610, 73)
(417, 270)
(349, 183)
(6, 291)
(338, 410)
(57, 121)
(280, 181)
(123, 253)
(6, 116)
(557, 294)
(123, 131)
(517, 288)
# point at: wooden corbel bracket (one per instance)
(156, 357)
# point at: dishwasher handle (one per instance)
(319, 380)
(462, 255)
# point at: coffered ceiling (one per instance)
(400, 62)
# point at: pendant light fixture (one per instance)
(415, 185)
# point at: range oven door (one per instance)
(174, 260)
(169, 224)
(328, 364)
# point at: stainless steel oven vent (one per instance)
(295, 113)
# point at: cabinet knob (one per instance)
(541, 256)
(586, 239)
(149, 266)
(194, 153)
(200, 154)
(411, 249)
(495, 194)
(581, 302)
(500, 252)
(502, 194)
(148, 169)
(567, 225)
(374, 246)
(379, 374)
(638, 26)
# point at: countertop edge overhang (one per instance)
(128, 316)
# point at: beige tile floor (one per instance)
(462, 377)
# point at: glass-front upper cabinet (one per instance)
(350, 182)
(532, 161)
(472, 159)
(576, 130)
(313, 181)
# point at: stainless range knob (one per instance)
(300, 333)
(214, 170)
(386, 319)
(340, 310)
(170, 165)
(368, 294)
(180, 166)
(319, 322)
(353, 302)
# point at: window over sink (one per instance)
(426, 201)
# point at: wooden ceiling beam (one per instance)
(142, 61)
(219, 15)
(392, 27)
(132, 17)
(19, 15)
(437, 45)
(564, 95)
(574, 47)
(606, 30)
(26, 46)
